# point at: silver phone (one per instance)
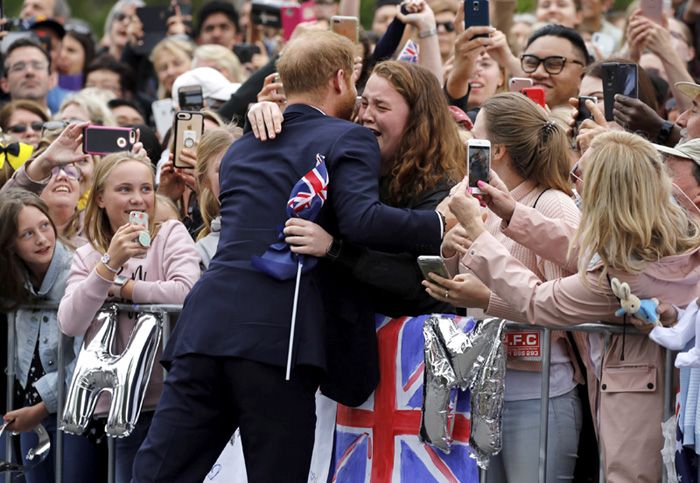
(432, 264)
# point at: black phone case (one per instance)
(104, 141)
(476, 14)
(583, 112)
(618, 78)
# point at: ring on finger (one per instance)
(447, 294)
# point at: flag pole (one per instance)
(294, 319)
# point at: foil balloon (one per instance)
(474, 361)
(485, 438)
(34, 456)
(125, 375)
(439, 378)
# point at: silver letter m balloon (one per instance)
(125, 376)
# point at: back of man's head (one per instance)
(311, 59)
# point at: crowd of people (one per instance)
(586, 184)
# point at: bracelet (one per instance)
(113, 270)
(427, 33)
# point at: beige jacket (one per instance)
(629, 397)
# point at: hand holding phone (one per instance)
(479, 163)
(583, 111)
(618, 78)
(432, 264)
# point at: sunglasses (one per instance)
(448, 26)
(22, 128)
(70, 170)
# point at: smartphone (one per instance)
(348, 27)
(141, 218)
(479, 163)
(653, 10)
(432, 264)
(618, 78)
(190, 98)
(153, 18)
(291, 16)
(604, 43)
(476, 14)
(163, 111)
(188, 129)
(535, 94)
(266, 13)
(517, 84)
(583, 111)
(104, 139)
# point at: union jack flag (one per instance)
(310, 192)
(305, 201)
(378, 441)
(409, 53)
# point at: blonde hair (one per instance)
(628, 217)
(213, 143)
(223, 57)
(537, 144)
(97, 110)
(182, 49)
(98, 230)
(312, 59)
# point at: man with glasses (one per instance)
(26, 72)
(555, 59)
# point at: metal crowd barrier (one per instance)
(164, 310)
(167, 310)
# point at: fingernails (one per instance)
(480, 183)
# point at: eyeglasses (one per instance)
(22, 128)
(553, 64)
(448, 26)
(22, 66)
(70, 170)
(575, 174)
(119, 16)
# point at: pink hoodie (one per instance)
(164, 276)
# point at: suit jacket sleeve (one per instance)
(555, 303)
(354, 195)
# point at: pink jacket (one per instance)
(630, 439)
(164, 276)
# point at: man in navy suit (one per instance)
(228, 351)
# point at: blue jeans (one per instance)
(80, 457)
(518, 461)
(127, 447)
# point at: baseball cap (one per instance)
(41, 24)
(214, 84)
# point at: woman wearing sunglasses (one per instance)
(61, 195)
(23, 119)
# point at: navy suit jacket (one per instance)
(237, 311)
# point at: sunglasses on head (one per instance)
(22, 128)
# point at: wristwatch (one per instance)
(105, 261)
(120, 281)
(333, 251)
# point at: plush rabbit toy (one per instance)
(631, 304)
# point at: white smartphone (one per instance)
(478, 163)
(163, 111)
(432, 264)
(517, 84)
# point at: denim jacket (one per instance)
(41, 324)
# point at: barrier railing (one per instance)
(166, 310)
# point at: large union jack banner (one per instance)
(378, 441)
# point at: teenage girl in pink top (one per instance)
(114, 266)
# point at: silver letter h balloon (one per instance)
(125, 376)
